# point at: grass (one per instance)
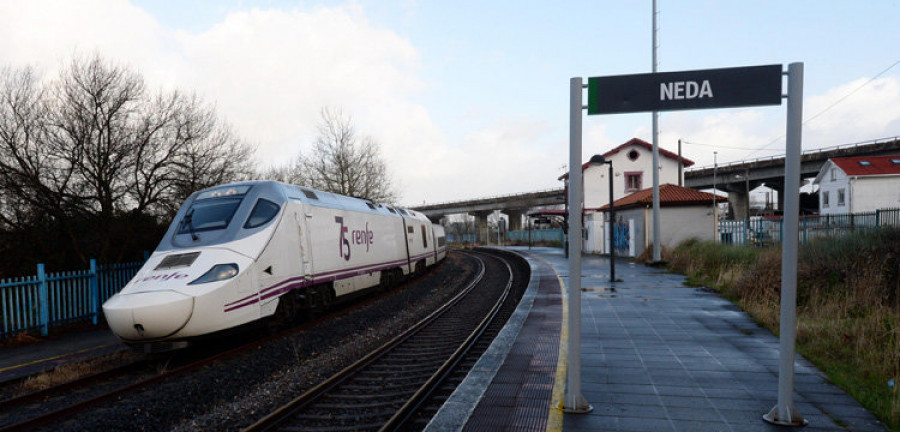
(848, 305)
(72, 371)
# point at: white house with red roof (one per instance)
(632, 164)
(859, 184)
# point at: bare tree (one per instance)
(87, 156)
(342, 162)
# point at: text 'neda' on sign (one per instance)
(679, 90)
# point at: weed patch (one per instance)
(848, 305)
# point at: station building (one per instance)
(684, 213)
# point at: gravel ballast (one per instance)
(234, 393)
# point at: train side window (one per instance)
(424, 237)
(262, 213)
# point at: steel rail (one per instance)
(43, 419)
(286, 412)
(412, 405)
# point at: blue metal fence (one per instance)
(767, 231)
(538, 235)
(49, 299)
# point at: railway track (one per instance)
(385, 389)
(43, 407)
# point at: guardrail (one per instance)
(767, 231)
(486, 198)
(46, 299)
(805, 152)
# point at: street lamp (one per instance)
(600, 160)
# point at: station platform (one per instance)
(46, 354)
(656, 355)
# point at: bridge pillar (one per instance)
(481, 225)
(738, 200)
(436, 218)
(515, 219)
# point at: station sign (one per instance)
(669, 91)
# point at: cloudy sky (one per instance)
(470, 98)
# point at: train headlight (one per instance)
(219, 272)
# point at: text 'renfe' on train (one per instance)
(239, 253)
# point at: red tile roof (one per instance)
(669, 195)
(877, 165)
(639, 142)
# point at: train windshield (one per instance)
(212, 210)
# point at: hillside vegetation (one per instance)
(848, 305)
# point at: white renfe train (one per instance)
(244, 252)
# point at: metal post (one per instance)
(747, 188)
(44, 299)
(657, 247)
(95, 291)
(612, 228)
(574, 402)
(784, 412)
(715, 196)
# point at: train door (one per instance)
(305, 246)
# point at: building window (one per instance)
(833, 174)
(633, 181)
(824, 199)
(841, 198)
(633, 155)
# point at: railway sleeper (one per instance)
(381, 377)
(367, 404)
(361, 396)
(379, 387)
(332, 428)
(426, 369)
(418, 352)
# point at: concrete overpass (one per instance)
(737, 177)
(513, 205)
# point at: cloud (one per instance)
(863, 112)
(46, 34)
(269, 72)
(503, 157)
(272, 71)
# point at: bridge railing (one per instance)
(485, 198)
(805, 152)
(43, 300)
(767, 231)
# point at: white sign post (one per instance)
(713, 88)
(574, 402)
(784, 412)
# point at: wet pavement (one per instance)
(657, 355)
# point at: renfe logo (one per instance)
(165, 277)
(357, 237)
(679, 90)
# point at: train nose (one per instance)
(148, 315)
